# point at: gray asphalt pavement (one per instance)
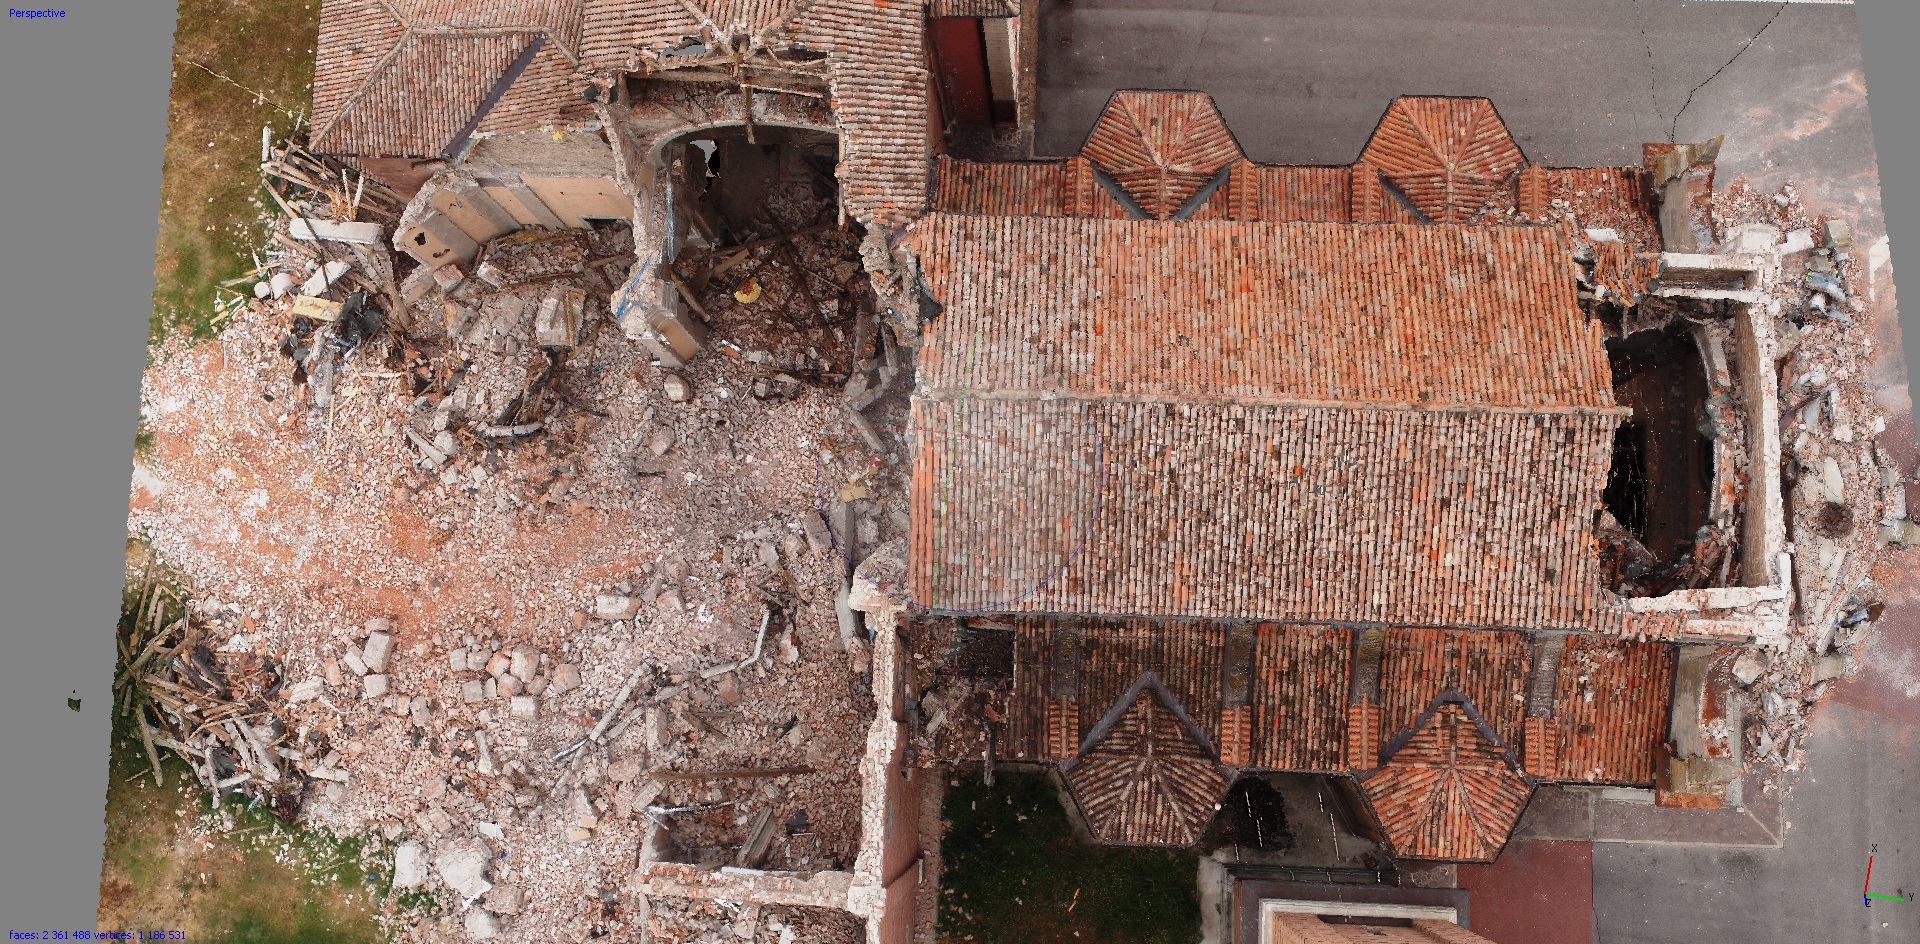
(1579, 82)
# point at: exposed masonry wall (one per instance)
(884, 884)
(1762, 606)
(886, 873)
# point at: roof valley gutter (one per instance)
(1199, 198)
(456, 147)
(1120, 194)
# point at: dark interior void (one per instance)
(1660, 486)
(781, 180)
(1253, 816)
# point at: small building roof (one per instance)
(1161, 147)
(1450, 789)
(1447, 156)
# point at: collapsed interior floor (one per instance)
(1655, 530)
(710, 921)
(769, 263)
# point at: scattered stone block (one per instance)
(378, 649)
(506, 899)
(481, 925)
(523, 663)
(523, 707)
(306, 691)
(376, 685)
(566, 678)
(472, 692)
(463, 867)
(354, 662)
(675, 388)
(499, 664)
(410, 865)
(614, 606)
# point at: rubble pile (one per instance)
(708, 921)
(1845, 496)
(521, 593)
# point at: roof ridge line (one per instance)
(373, 72)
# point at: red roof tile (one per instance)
(1450, 791)
(1161, 147)
(1489, 669)
(1280, 193)
(1611, 705)
(1226, 511)
(985, 9)
(1026, 188)
(402, 79)
(1385, 315)
(1447, 155)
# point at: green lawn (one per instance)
(210, 194)
(1016, 875)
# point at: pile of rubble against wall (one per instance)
(1844, 500)
(606, 573)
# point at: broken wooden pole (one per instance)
(153, 756)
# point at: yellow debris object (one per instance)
(748, 292)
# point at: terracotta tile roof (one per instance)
(877, 77)
(401, 79)
(1319, 312)
(1490, 669)
(1449, 790)
(1611, 705)
(1300, 696)
(1449, 718)
(1229, 511)
(1448, 155)
(1278, 193)
(1026, 188)
(1146, 775)
(1161, 147)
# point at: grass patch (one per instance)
(210, 192)
(176, 860)
(1015, 874)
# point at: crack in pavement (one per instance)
(1653, 72)
(1674, 130)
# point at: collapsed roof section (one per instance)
(875, 71)
(414, 78)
